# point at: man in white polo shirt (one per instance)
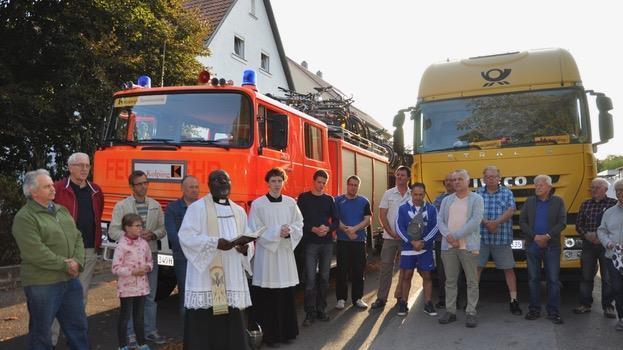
(388, 212)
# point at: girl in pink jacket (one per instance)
(132, 262)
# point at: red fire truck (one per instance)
(171, 132)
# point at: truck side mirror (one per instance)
(399, 141)
(604, 104)
(399, 138)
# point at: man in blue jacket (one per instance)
(417, 252)
(172, 222)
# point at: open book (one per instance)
(249, 237)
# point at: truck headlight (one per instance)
(573, 242)
(569, 242)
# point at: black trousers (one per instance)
(133, 306)
(274, 309)
(205, 331)
(351, 262)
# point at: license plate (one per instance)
(517, 244)
(165, 259)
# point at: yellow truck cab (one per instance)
(526, 113)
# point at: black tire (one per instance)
(166, 282)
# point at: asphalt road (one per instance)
(369, 329)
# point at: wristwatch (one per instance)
(548, 236)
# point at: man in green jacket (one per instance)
(52, 256)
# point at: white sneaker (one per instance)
(361, 304)
(340, 304)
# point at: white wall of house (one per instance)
(258, 38)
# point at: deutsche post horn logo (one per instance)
(496, 75)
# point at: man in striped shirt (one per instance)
(417, 252)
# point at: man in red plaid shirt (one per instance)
(589, 218)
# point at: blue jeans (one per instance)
(591, 254)
(550, 258)
(179, 264)
(63, 301)
(317, 255)
(150, 302)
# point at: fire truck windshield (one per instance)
(503, 120)
(202, 118)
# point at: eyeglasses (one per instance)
(82, 165)
(144, 183)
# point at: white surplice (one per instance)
(200, 248)
(274, 265)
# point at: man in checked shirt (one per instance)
(496, 231)
(589, 218)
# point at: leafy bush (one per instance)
(11, 199)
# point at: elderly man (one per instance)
(496, 231)
(448, 183)
(216, 285)
(459, 223)
(611, 237)
(172, 222)
(153, 217)
(543, 217)
(589, 218)
(388, 212)
(85, 202)
(52, 255)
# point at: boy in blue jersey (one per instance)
(417, 252)
(354, 213)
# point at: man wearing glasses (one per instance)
(85, 202)
(153, 217)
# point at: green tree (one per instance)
(610, 162)
(60, 62)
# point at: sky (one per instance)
(376, 51)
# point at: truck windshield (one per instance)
(504, 120)
(210, 118)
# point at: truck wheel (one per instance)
(166, 282)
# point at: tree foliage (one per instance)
(610, 162)
(60, 62)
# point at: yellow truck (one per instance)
(526, 113)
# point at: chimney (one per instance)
(319, 73)
(304, 64)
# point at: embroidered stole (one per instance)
(217, 273)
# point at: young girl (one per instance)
(132, 262)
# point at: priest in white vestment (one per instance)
(216, 285)
(274, 267)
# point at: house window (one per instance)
(265, 62)
(239, 46)
(313, 142)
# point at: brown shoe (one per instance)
(582, 309)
